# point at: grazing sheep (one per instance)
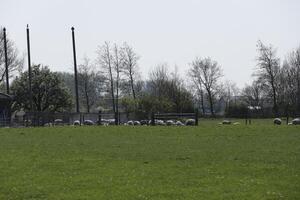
(48, 124)
(277, 121)
(76, 123)
(236, 123)
(88, 122)
(226, 122)
(111, 121)
(157, 122)
(296, 121)
(179, 123)
(28, 122)
(160, 122)
(190, 122)
(130, 123)
(107, 121)
(58, 122)
(144, 122)
(104, 121)
(136, 123)
(170, 122)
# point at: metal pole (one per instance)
(99, 118)
(75, 70)
(152, 119)
(6, 61)
(29, 68)
(196, 117)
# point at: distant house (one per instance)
(5, 109)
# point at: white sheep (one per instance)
(277, 121)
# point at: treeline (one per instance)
(112, 82)
(116, 80)
(276, 83)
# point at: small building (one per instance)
(5, 109)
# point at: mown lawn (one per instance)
(206, 162)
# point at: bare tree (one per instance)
(229, 91)
(15, 62)
(207, 72)
(90, 84)
(293, 65)
(117, 66)
(157, 79)
(166, 92)
(269, 70)
(105, 59)
(130, 66)
(110, 60)
(253, 94)
(177, 92)
(199, 91)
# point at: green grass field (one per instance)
(206, 162)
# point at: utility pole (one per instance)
(75, 70)
(29, 68)
(6, 61)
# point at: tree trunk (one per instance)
(132, 84)
(117, 101)
(112, 89)
(275, 106)
(132, 88)
(86, 97)
(298, 94)
(211, 104)
(202, 101)
(117, 95)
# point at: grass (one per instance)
(205, 162)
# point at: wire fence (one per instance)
(66, 118)
(174, 118)
(36, 119)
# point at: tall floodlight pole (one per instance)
(75, 70)
(6, 61)
(29, 68)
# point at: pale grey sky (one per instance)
(161, 31)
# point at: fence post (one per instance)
(99, 117)
(116, 118)
(152, 119)
(26, 120)
(250, 117)
(287, 114)
(9, 116)
(80, 120)
(34, 119)
(246, 117)
(196, 117)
